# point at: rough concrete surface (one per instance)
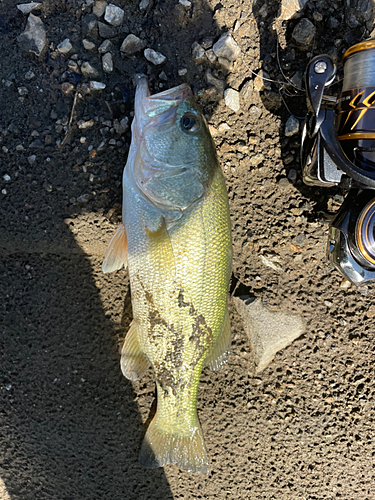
(70, 424)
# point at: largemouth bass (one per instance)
(175, 239)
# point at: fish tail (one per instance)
(163, 446)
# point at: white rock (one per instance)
(26, 8)
(107, 62)
(6, 177)
(65, 46)
(132, 44)
(291, 126)
(185, 3)
(89, 71)
(268, 331)
(33, 39)
(97, 85)
(232, 99)
(114, 15)
(143, 4)
(182, 72)
(88, 45)
(223, 127)
(99, 8)
(154, 57)
(226, 47)
(289, 9)
(82, 124)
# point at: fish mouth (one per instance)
(158, 108)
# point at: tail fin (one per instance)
(162, 446)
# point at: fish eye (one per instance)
(190, 122)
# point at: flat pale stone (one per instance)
(99, 7)
(268, 331)
(232, 99)
(33, 39)
(114, 15)
(289, 9)
(226, 47)
(154, 57)
(97, 85)
(26, 8)
(65, 46)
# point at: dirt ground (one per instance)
(70, 424)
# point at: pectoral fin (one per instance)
(117, 251)
(221, 350)
(134, 363)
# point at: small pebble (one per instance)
(215, 82)
(34, 38)
(31, 159)
(105, 47)
(73, 66)
(182, 72)
(22, 91)
(88, 45)
(211, 55)
(114, 15)
(232, 99)
(223, 126)
(65, 47)
(26, 8)
(185, 3)
(6, 177)
(106, 31)
(84, 198)
(97, 85)
(143, 4)
(4, 191)
(107, 62)
(303, 34)
(291, 126)
(29, 75)
(82, 124)
(198, 53)
(132, 44)
(154, 57)
(99, 7)
(226, 47)
(89, 71)
(67, 88)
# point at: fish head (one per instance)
(175, 152)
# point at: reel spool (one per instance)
(355, 111)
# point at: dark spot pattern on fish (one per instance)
(166, 379)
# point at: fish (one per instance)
(175, 240)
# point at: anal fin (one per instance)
(134, 363)
(117, 251)
(221, 350)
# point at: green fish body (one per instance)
(176, 230)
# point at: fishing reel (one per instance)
(338, 149)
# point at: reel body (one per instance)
(338, 149)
